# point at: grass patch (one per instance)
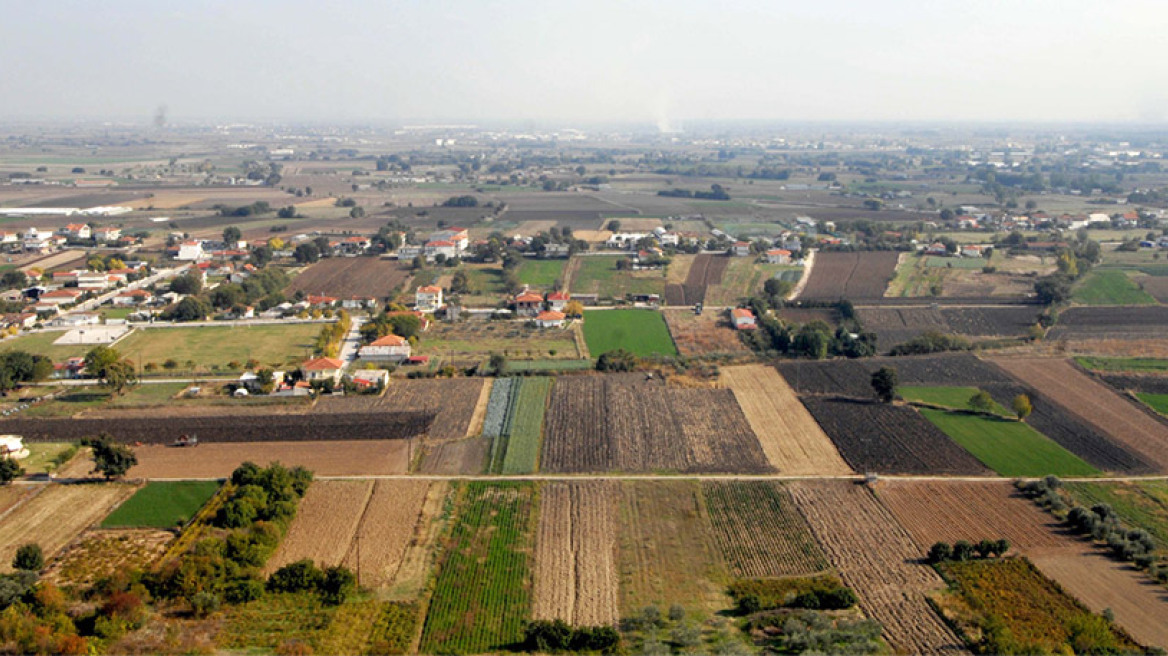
(46, 456)
(42, 344)
(272, 344)
(949, 397)
(149, 394)
(642, 332)
(482, 596)
(162, 504)
(550, 365)
(597, 274)
(1150, 365)
(1111, 288)
(541, 273)
(1157, 402)
(68, 404)
(1143, 505)
(1011, 448)
(275, 622)
(527, 426)
(956, 262)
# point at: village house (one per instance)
(60, 297)
(778, 256)
(441, 247)
(743, 319)
(971, 250)
(20, 320)
(936, 248)
(557, 301)
(370, 378)
(355, 245)
(92, 280)
(391, 348)
(107, 234)
(554, 251)
(77, 231)
(625, 240)
(359, 302)
(528, 304)
(189, 251)
(9, 237)
(12, 446)
(550, 319)
(740, 249)
(458, 237)
(428, 299)
(132, 297)
(39, 241)
(321, 302)
(322, 369)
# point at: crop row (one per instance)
(759, 530)
(482, 596)
(526, 426)
(497, 405)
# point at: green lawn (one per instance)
(42, 344)
(41, 455)
(1011, 448)
(1150, 365)
(149, 394)
(68, 404)
(642, 332)
(1157, 402)
(599, 275)
(162, 504)
(272, 344)
(949, 397)
(1110, 288)
(541, 273)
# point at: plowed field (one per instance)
(853, 276)
(345, 277)
(452, 402)
(760, 533)
(1094, 403)
(793, 443)
(575, 554)
(364, 525)
(56, 515)
(879, 560)
(218, 460)
(706, 270)
(467, 456)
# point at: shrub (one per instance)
(29, 558)
(336, 585)
(940, 552)
(300, 576)
(204, 603)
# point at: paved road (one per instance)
(352, 341)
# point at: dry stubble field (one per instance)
(793, 443)
(345, 277)
(218, 460)
(575, 554)
(56, 515)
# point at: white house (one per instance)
(428, 299)
(60, 297)
(743, 319)
(132, 297)
(190, 251)
(740, 249)
(557, 301)
(322, 369)
(550, 319)
(107, 234)
(625, 239)
(391, 348)
(77, 231)
(370, 378)
(441, 247)
(460, 237)
(92, 280)
(778, 256)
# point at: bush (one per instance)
(29, 558)
(338, 583)
(940, 552)
(300, 576)
(204, 603)
(242, 591)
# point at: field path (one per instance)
(808, 262)
(1094, 403)
(792, 441)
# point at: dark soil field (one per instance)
(706, 270)
(1148, 384)
(852, 378)
(345, 277)
(854, 276)
(898, 325)
(1134, 322)
(877, 437)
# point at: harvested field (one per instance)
(98, 554)
(56, 515)
(890, 439)
(854, 276)
(575, 554)
(334, 458)
(324, 426)
(793, 442)
(452, 402)
(335, 515)
(667, 555)
(705, 271)
(10, 495)
(701, 335)
(759, 531)
(1157, 286)
(1133, 322)
(948, 511)
(603, 423)
(466, 456)
(1094, 403)
(885, 573)
(346, 277)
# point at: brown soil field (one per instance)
(466, 456)
(575, 554)
(344, 277)
(451, 401)
(218, 460)
(898, 325)
(880, 561)
(100, 553)
(592, 236)
(56, 515)
(638, 225)
(1100, 582)
(1110, 322)
(10, 495)
(533, 228)
(704, 271)
(666, 553)
(413, 574)
(54, 261)
(853, 276)
(363, 525)
(477, 417)
(1157, 286)
(948, 511)
(702, 335)
(793, 443)
(603, 423)
(1094, 403)
(759, 531)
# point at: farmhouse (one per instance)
(107, 234)
(60, 297)
(528, 304)
(458, 237)
(92, 280)
(428, 299)
(740, 249)
(442, 247)
(132, 297)
(743, 319)
(626, 240)
(558, 300)
(77, 231)
(322, 369)
(190, 251)
(389, 348)
(370, 378)
(550, 319)
(778, 256)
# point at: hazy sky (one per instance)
(664, 62)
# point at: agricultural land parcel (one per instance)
(1110, 288)
(854, 276)
(597, 274)
(277, 344)
(162, 505)
(1011, 448)
(703, 334)
(56, 515)
(641, 332)
(346, 277)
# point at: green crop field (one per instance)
(526, 426)
(949, 397)
(597, 274)
(642, 332)
(1110, 288)
(162, 504)
(1157, 402)
(541, 273)
(271, 344)
(1149, 365)
(1011, 448)
(956, 262)
(1141, 505)
(550, 365)
(482, 595)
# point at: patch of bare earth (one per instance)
(575, 554)
(219, 459)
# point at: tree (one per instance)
(498, 363)
(981, 402)
(962, 550)
(232, 234)
(884, 381)
(306, 253)
(419, 263)
(1052, 289)
(574, 309)
(357, 212)
(191, 308)
(1021, 406)
(336, 585)
(118, 376)
(111, 459)
(188, 283)
(940, 552)
(10, 470)
(460, 284)
(29, 558)
(617, 360)
(99, 358)
(300, 576)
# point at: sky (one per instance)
(597, 61)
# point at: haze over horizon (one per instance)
(603, 61)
